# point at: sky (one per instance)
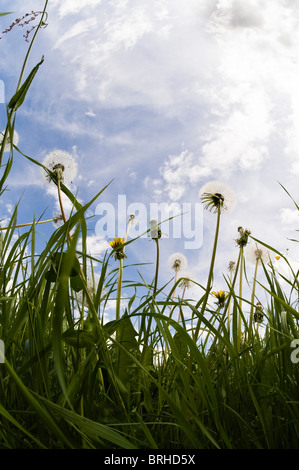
(156, 98)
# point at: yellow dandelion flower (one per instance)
(220, 296)
(116, 243)
(118, 246)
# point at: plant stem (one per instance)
(240, 297)
(31, 223)
(183, 295)
(252, 302)
(118, 294)
(87, 293)
(173, 294)
(9, 117)
(227, 304)
(147, 333)
(210, 277)
(120, 275)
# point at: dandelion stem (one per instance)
(31, 223)
(227, 304)
(119, 283)
(82, 275)
(240, 296)
(173, 294)
(183, 295)
(157, 269)
(60, 201)
(252, 301)
(147, 333)
(210, 277)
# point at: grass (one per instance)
(213, 380)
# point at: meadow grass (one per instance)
(215, 378)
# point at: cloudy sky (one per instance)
(158, 97)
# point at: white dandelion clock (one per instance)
(257, 253)
(186, 280)
(177, 262)
(217, 195)
(15, 140)
(62, 164)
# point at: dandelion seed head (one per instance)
(177, 261)
(231, 266)
(217, 195)
(186, 280)
(257, 253)
(62, 164)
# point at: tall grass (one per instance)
(214, 379)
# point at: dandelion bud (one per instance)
(155, 231)
(258, 314)
(57, 219)
(244, 234)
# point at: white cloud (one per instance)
(135, 52)
(96, 245)
(73, 6)
(255, 95)
(289, 217)
(237, 13)
(288, 269)
(179, 171)
(78, 29)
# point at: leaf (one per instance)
(79, 338)
(126, 338)
(40, 411)
(18, 98)
(88, 427)
(76, 283)
(58, 259)
(60, 305)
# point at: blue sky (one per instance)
(162, 96)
